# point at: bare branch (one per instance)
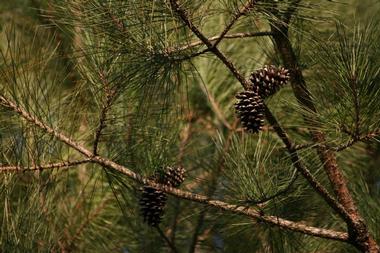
(193, 55)
(251, 212)
(58, 165)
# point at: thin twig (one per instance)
(354, 140)
(104, 162)
(182, 14)
(341, 147)
(214, 38)
(58, 165)
(109, 97)
(241, 12)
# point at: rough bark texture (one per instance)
(359, 234)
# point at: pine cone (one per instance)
(269, 80)
(173, 176)
(152, 200)
(250, 109)
(152, 203)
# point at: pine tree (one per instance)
(270, 108)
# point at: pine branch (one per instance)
(270, 117)
(355, 222)
(204, 51)
(355, 139)
(241, 12)
(320, 189)
(215, 38)
(58, 165)
(250, 212)
(110, 95)
(107, 163)
(34, 120)
(182, 14)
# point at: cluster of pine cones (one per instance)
(250, 105)
(152, 200)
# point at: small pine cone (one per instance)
(250, 109)
(152, 203)
(173, 176)
(269, 80)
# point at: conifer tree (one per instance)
(189, 126)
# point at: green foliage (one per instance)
(164, 104)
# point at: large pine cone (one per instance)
(249, 108)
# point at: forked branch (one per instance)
(270, 117)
